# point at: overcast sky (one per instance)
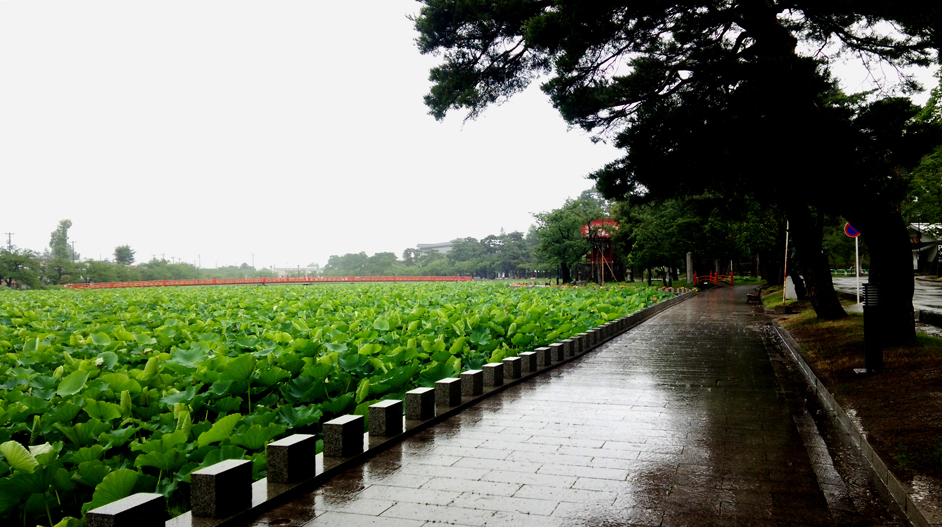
(276, 133)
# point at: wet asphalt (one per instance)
(927, 294)
(693, 418)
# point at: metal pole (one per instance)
(784, 284)
(857, 253)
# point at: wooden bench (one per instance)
(755, 297)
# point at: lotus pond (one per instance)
(105, 393)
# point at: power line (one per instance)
(9, 240)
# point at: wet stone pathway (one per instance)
(680, 421)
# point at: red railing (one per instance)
(282, 280)
(714, 278)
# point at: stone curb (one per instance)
(266, 495)
(889, 483)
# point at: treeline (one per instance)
(652, 240)
(60, 264)
(721, 234)
(25, 268)
(509, 255)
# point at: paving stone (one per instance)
(538, 457)
(541, 507)
(339, 519)
(448, 515)
(529, 478)
(473, 486)
(471, 453)
(614, 515)
(401, 494)
(583, 471)
(570, 494)
(516, 519)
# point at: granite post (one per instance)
(420, 403)
(448, 392)
(528, 361)
(512, 367)
(137, 510)
(221, 490)
(386, 418)
(493, 374)
(343, 436)
(556, 352)
(472, 382)
(543, 356)
(291, 459)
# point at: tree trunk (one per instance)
(813, 264)
(891, 268)
(800, 291)
(566, 275)
(770, 267)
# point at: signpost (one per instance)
(854, 233)
(785, 278)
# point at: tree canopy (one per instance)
(730, 96)
(560, 230)
(124, 255)
(19, 268)
(59, 241)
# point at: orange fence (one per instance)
(284, 280)
(714, 278)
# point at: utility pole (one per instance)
(9, 240)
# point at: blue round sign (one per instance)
(851, 231)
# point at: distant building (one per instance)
(444, 247)
(282, 272)
(925, 241)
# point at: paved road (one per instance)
(927, 295)
(692, 418)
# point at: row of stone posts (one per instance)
(225, 489)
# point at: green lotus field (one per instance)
(109, 392)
